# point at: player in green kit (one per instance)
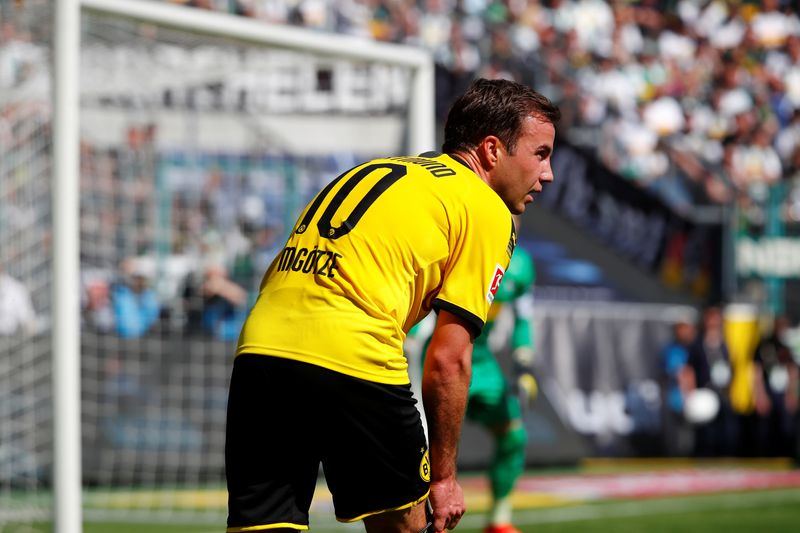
(493, 402)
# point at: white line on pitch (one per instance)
(735, 500)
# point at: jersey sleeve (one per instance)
(481, 245)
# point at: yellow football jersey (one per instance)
(370, 256)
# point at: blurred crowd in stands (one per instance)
(696, 100)
(726, 400)
(192, 266)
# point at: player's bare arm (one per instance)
(445, 383)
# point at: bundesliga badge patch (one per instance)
(495, 283)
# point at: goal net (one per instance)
(25, 145)
(201, 137)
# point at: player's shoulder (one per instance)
(453, 182)
(469, 188)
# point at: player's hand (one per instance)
(528, 387)
(447, 500)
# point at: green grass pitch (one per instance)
(734, 512)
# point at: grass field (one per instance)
(775, 510)
(598, 496)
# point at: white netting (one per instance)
(196, 154)
(25, 412)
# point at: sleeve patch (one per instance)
(494, 283)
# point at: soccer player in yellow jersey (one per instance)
(320, 375)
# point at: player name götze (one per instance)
(324, 262)
(314, 261)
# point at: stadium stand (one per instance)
(693, 102)
(678, 96)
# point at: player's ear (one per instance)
(489, 151)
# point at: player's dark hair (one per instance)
(494, 107)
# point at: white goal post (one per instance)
(66, 333)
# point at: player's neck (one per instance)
(471, 160)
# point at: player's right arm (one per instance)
(445, 383)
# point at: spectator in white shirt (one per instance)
(16, 308)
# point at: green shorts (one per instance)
(491, 400)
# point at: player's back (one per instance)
(368, 257)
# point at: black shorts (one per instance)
(286, 417)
